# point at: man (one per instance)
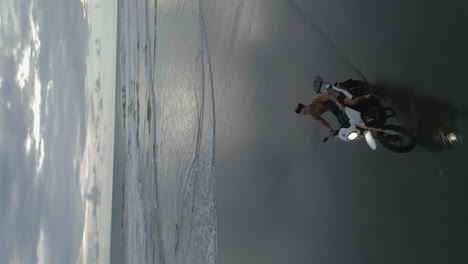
(325, 102)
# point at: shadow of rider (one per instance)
(435, 122)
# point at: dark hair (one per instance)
(299, 108)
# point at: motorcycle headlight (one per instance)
(452, 137)
(353, 135)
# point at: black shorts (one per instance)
(341, 98)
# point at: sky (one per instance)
(56, 105)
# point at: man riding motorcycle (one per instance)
(328, 101)
(360, 115)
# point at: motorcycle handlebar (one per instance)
(332, 134)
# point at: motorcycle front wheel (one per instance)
(399, 139)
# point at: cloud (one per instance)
(98, 84)
(94, 196)
(98, 44)
(42, 128)
(15, 28)
(18, 233)
(40, 250)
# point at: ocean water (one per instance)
(164, 187)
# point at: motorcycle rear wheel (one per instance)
(403, 142)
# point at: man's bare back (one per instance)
(325, 102)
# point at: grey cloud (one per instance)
(8, 68)
(14, 14)
(98, 84)
(20, 216)
(93, 252)
(98, 47)
(94, 196)
(49, 200)
(100, 104)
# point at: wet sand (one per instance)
(282, 195)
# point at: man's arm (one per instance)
(326, 97)
(325, 123)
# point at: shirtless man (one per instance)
(325, 102)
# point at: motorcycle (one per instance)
(366, 120)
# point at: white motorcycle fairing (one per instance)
(343, 91)
(355, 119)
